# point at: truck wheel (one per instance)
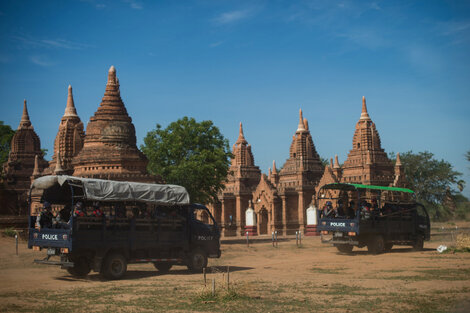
(162, 267)
(418, 245)
(80, 267)
(388, 247)
(197, 260)
(376, 244)
(115, 266)
(344, 248)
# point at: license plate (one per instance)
(338, 234)
(50, 251)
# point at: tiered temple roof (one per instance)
(109, 149)
(244, 174)
(69, 139)
(25, 148)
(367, 162)
(303, 166)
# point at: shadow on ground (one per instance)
(138, 274)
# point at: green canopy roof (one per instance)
(352, 187)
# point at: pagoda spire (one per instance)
(364, 113)
(70, 108)
(398, 162)
(336, 164)
(112, 76)
(306, 124)
(241, 136)
(301, 126)
(58, 167)
(274, 168)
(36, 170)
(25, 121)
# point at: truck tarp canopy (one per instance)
(353, 187)
(109, 190)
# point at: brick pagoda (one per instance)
(25, 148)
(109, 150)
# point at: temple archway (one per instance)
(263, 221)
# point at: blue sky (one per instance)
(256, 62)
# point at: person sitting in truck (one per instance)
(97, 210)
(340, 209)
(62, 217)
(45, 218)
(365, 210)
(331, 213)
(350, 210)
(79, 210)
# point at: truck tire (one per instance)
(162, 267)
(80, 267)
(344, 248)
(388, 247)
(197, 260)
(114, 267)
(418, 245)
(376, 244)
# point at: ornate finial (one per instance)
(274, 168)
(336, 165)
(306, 124)
(301, 126)
(70, 108)
(58, 168)
(25, 121)
(331, 162)
(269, 173)
(112, 75)
(36, 171)
(398, 162)
(364, 113)
(241, 136)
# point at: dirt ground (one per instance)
(312, 277)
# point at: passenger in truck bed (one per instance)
(45, 218)
(79, 210)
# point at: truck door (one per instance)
(204, 231)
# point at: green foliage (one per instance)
(6, 134)
(324, 161)
(9, 232)
(428, 177)
(191, 154)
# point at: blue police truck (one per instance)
(374, 216)
(89, 224)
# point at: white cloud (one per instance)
(232, 16)
(41, 60)
(28, 42)
(216, 44)
(95, 4)
(365, 37)
(457, 31)
(136, 5)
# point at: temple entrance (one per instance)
(263, 222)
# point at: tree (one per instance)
(428, 177)
(6, 133)
(191, 154)
(435, 182)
